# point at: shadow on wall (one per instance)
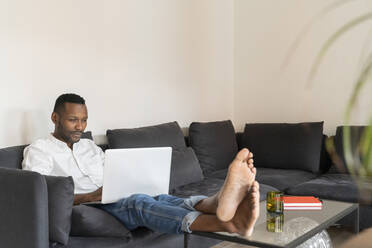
(25, 126)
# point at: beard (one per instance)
(68, 136)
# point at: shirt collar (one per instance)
(58, 142)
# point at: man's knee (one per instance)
(161, 197)
(137, 200)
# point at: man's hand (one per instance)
(96, 195)
(89, 197)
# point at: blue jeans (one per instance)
(163, 213)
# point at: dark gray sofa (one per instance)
(24, 201)
(335, 183)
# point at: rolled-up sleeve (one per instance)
(35, 159)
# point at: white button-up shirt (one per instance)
(50, 156)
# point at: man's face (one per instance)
(71, 122)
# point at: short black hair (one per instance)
(70, 97)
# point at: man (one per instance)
(234, 209)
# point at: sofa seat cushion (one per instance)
(89, 221)
(214, 144)
(338, 187)
(285, 146)
(210, 186)
(221, 174)
(282, 178)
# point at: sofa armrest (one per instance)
(23, 209)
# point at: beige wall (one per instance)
(264, 32)
(144, 62)
(136, 62)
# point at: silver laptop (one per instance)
(134, 171)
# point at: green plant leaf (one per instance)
(366, 148)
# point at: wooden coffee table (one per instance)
(299, 226)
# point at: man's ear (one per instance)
(54, 118)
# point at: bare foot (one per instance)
(247, 212)
(239, 179)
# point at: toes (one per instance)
(254, 196)
(250, 155)
(250, 165)
(242, 154)
(254, 189)
(254, 170)
(255, 186)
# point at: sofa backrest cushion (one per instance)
(87, 135)
(325, 160)
(89, 221)
(285, 146)
(339, 165)
(11, 157)
(167, 134)
(214, 144)
(60, 202)
(185, 168)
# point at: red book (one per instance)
(301, 203)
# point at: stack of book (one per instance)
(301, 203)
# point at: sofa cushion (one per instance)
(88, 221)
(221, 174)
(167, 134)
(339, 165)
(60, 201)
(210, 186)
(185, 168)
(214, 144)
(87, 135)
(279, 179)
(282, 178)
(338, 187)
(285, 146)
(11, 157)
(325, 162)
